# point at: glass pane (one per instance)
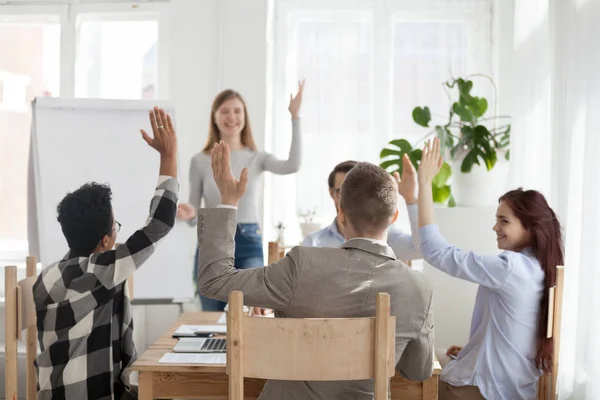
(425, 54)
(335, 59)
(116, 59)
(29, 67)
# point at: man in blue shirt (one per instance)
(405, 246)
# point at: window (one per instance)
(367, 64)
(29, 67)
(116, 58)
(84, 50)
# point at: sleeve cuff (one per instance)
(168, 183)
(227, 206)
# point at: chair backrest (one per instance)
(313, 349)
(547, 384)
(19, 315)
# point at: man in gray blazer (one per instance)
(312, 282)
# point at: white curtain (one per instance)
(556, 145)
(367, 64)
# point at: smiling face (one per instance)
(510, 232)
(230, 118)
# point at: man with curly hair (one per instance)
(84, 322)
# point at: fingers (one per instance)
(226, 166)
(396, 176)
(170, 124)
(146, 137)
(153, 122)
(220, 159)
(214, 162)
(301, 86)
(243, 184)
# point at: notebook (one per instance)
(190, 330)
(200, 345)
(174, 358)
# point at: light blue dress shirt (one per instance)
(500, 356)
(406, 247)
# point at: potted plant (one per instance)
(307, 225)
(478, 154)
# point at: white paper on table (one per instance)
(193, 358)
(188, 330)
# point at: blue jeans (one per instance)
(248, 254)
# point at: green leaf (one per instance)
(470, 160)
(445, 172)
(463, 112)
(402, 144)
(451, 201)
(389, 163)
(422, 116)
(481, 106)
(390, 152)
(440, 194)
(507, 155)
(481, 134)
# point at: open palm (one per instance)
(230, 188)
(296, 101)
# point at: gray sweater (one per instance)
(203, 186)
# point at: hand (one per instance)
(186, 211)
(165, 139)
(230, 188)
(431, 162)
(296, 101)
(261, 312)
(408, 183)
(453, 351)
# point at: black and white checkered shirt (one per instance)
(84, 317)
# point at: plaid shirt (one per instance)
(84, 316)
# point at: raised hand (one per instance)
(165, 138)
(186, 211)
(431, 162)
(296, 101)
(408, 184)
(230, 188)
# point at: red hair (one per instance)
(531, 208)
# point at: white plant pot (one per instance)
(480, 187)
(307, 228)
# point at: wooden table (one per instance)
(210, 382)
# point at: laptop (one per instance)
(201, 345)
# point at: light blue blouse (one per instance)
(500, 355)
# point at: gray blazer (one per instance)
(311, 282)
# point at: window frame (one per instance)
(65, 15)
(382, 14)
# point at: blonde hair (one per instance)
(213, 131)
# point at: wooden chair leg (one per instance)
(430, 388)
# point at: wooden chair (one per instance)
(20, 315)
(314, 349)
(547, 383)
(276, 252)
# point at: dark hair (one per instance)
(369, 198)
(85, 217)
(531, 208)
(343, 167)
(213, 130)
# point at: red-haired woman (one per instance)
(507, 349)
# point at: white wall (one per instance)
(453, 299)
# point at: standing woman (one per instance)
(229, 122)
(507, 348)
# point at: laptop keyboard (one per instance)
(215, 345)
